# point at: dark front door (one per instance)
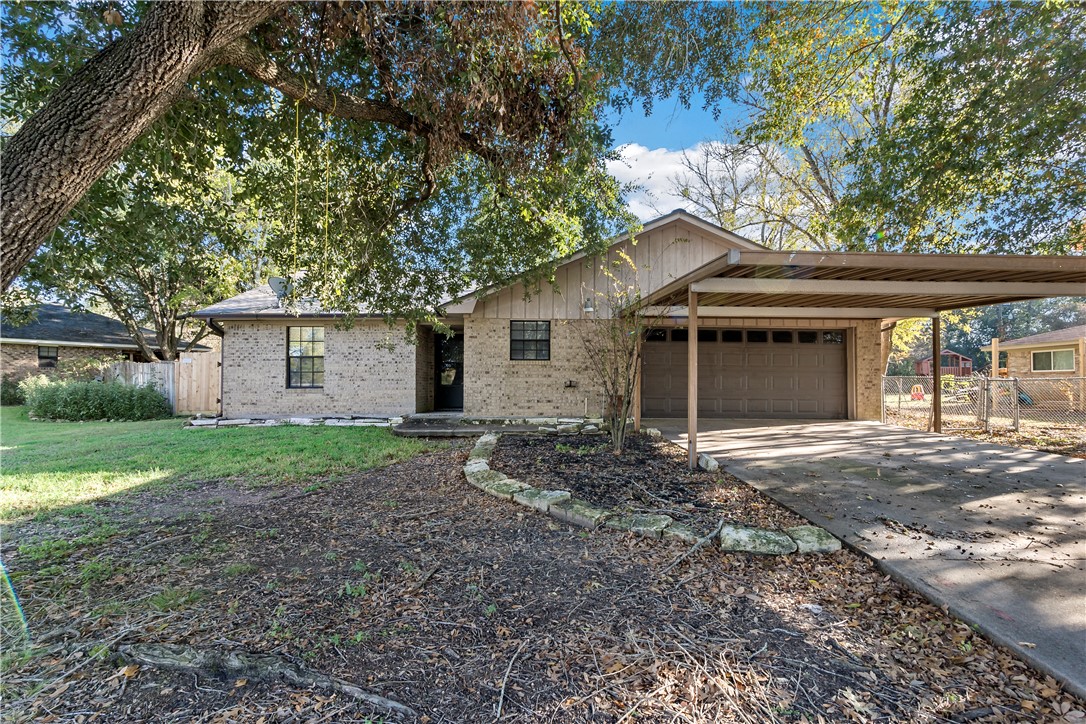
(449, 370)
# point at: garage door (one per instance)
(771, 373)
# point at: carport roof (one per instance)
(867, 285)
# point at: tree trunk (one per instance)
(97, 113)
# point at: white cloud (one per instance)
(652, 170)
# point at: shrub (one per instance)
(75, 400)
(10, 394)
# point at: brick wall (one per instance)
(868, 356)
(424, 371)
(495, 385)
(21, 360)
(362, 376)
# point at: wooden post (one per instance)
(995, 358)
(692, 379)
(637, 381)
(937, 388)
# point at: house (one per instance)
(747, 333)
(1059, 353)
(57, 335)
(950, 363)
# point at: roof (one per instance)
(261, 302)
(868, 285)
(54, 324)
(1071, 334)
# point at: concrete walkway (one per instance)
(997, 534)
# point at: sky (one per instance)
(652, 148)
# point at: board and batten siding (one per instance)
(661, 256)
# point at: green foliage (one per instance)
(10, 394)
(75, 400)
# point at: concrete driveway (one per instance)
(997, 534)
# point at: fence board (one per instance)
(191, 383)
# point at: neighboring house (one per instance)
(778, 334)
(57, 335)
(950, 363)
(1059, 353)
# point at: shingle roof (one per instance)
(1071, 334)
(54, 323)
(262, 302)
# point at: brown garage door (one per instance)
(772, 373)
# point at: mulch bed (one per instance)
(411, 583)
(651, 476)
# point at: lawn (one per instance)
(46, 466)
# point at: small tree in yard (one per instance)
(613, 340)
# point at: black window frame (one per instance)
(307, 379)
(525, 344)
(777, 336)
(46, 361)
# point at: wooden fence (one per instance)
(191, 383)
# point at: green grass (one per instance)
(48, 466)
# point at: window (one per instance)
(656, 335)
(833, 338)
(680, 335)
(706, 335)
(47, 357)
(782, 337)
(529, 340)
(305, 356)
(731, 335)
(807, 337)
(757, 336)
(1056, 360)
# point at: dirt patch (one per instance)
(411, 583)
(1052, 437)
(651, 476)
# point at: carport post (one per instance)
(692, 378)
(937, 367)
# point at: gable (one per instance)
(663, 253)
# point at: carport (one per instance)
(770, 285)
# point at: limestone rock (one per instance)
(645, 524)
(505, 488)
(578, 512)
(202, 422)
(235, 422)
(708, 462)
(680, 532)
(540, 500)
(653, 432)
(755, 540)
(812, 539)
(569, 428)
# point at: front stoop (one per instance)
(561, 504)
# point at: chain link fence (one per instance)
(979, 403)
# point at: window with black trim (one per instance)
(305, 356)
(680, 335)
(833, 337)
(807, 337)
(782, 336)
(529, 340)
(757, 336)
(47, 357)
(656, 335)
(731, 335)
(706, 335)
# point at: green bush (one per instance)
(10, 394)
(74, 400)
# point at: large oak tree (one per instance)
(481, 100)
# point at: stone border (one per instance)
(199, 422)
(562, 505)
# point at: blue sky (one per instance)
(652, 148)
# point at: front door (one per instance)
(449, 370)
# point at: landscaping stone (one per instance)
(653, 432)
(234, 423)
(589, 429)
(812, 539)
(476, 465)
(506, 488)
(680, 532)
(644, 524)
(756, 540)
(202, 422)
(302, 421)
(568, 428)
(579, 513)
(482, 478)
(569, 421)
(548, 429)
(708, 462)
(541, 500)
